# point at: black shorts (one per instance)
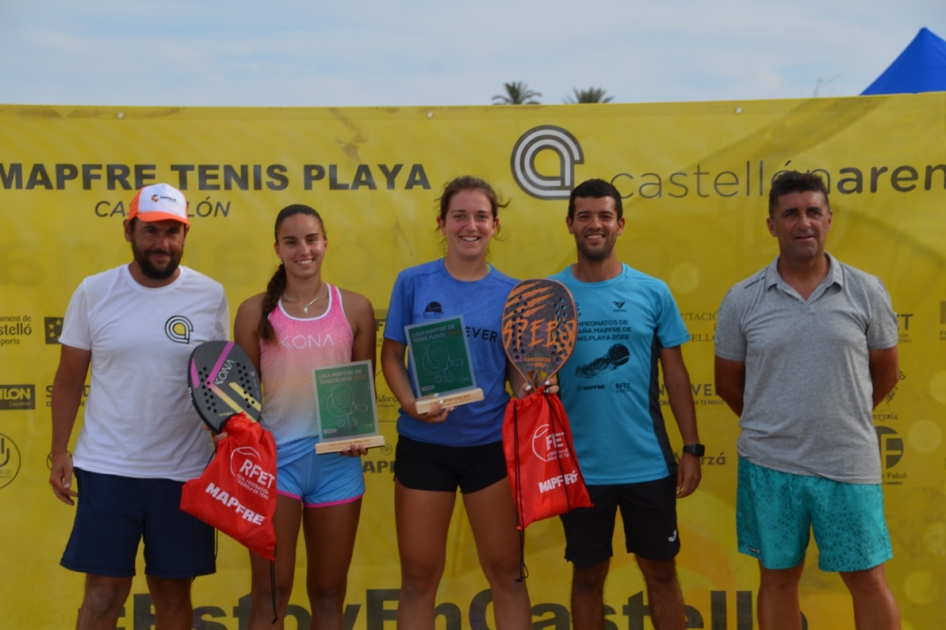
(425, 466)
(649, 512)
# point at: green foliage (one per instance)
(591, 95)
(517, 93)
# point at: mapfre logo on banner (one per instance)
(244, 465)
(534, 142)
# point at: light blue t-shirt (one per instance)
(609, 385)
(428, 292)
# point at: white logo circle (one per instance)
(248, 452)
(546, 138)
(178, 329)
(540, 443)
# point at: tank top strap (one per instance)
(338, 309)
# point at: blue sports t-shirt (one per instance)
(428, 292)
(609, 385)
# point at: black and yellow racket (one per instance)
(223, 383)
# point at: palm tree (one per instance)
(591, 95)
(517, 93)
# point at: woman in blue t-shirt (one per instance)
(447, 448)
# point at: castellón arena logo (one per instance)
(540, 139)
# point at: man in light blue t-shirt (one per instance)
(627, 323)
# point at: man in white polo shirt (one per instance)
(805, 349)
(137, 325)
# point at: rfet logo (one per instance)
(534, 142)
(244, 465)
(547, 445)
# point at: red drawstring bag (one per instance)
(237, 491)
(540, 458)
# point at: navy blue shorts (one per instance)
(114, 513)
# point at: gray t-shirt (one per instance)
(807, 406)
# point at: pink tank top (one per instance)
(286, 366)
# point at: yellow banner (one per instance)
(695, 179)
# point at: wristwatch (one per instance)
(694, 449)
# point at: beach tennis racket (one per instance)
(540, 327)
(223, 382)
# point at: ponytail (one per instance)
(274, 290)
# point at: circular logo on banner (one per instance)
(9, 461)
(535, 141)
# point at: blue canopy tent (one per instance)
(921, 67)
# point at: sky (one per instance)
(308, 53)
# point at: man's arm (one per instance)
(677, 380)
(731, 382)
(67, 394)
(884, 372)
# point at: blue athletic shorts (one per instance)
(114, 513)
(649, 514)
(321, 480)
(775, 512)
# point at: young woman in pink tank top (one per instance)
(302, 322)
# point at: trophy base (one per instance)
(370, 441)
(453, 399)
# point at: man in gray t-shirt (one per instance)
(805, 349)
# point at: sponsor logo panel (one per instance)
(17, 397)
(535, 141)
(14, 329)
(904, 321)
(891, 453)
(9, 460)
(52, 327)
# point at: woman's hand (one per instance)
(354, 450)
(551, 387)
(435, 415)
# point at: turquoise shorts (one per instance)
(775, 512)
(321, 480)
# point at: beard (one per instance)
(597, 254)
(151, 271)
